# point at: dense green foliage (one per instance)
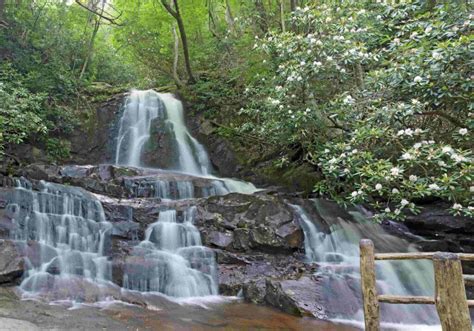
(43, 47)
(379, 98)
(375, 98)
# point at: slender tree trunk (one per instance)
(90, 48)
(176, 59)
(229, 17)
(282, 15)
(182, 32)
(293, 5)
(262, 13)
(2, 9)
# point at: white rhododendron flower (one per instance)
(434, 187)
(395, 171)
(463, 131)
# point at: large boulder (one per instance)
(244, 223)
(298, 297)
(12, 265)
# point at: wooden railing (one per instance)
(450, 293)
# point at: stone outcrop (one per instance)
(12, 265)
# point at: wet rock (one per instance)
(297, 297)
(12, 265)
(224, 257)
(254, 291)
(220, 239)
(258, 223)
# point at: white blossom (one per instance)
(387, 210)
(447, 149)
(413, 178)
(457, 206)
(463, 131)
(395, 171)
(407, 156)
(354, 194)
(349, 100)
(395, 191)
(404, 202)
(436, 55)
(409, 132)
(434, 187)
(378, 187)
(418, 79)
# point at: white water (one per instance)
(171, 260)
(70, 231)
(141, 109)
(337, 253)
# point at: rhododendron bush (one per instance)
(379, 97)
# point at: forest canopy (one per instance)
(375, 97)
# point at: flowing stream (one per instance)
(333, 243)
(177, 263)
(66, 233)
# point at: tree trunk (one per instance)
(90, 48)
(176, 58)
(293, 5)
(182, 32)
(282, 16)
(229, 18)
(262, 13)
(2, 8)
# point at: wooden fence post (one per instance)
(450, 294)
(369, 289)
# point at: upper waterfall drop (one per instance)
(141, 109)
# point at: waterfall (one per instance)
(69, 233)
(336, 251)
(171, 260)
(141, 109)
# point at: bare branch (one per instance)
(108, 18)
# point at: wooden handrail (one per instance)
(450, 293)
(407, 299)
(418, 256)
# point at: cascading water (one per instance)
(171, 259)
(141, 108)
(336, 251)
(176, 263)
(69, 228)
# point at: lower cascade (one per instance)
(336, 252)
(65, 234)
(176, 263)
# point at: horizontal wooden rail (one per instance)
(408, 299)
(417, 256)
